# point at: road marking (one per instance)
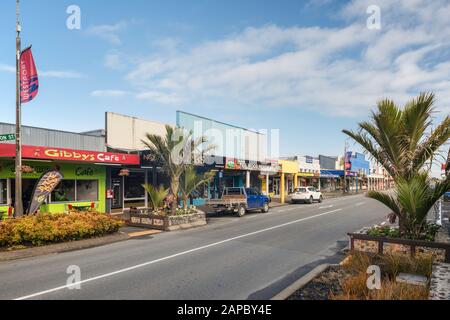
(359, 204)
(326, 207)
(106, 275)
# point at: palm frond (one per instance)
(387, 200)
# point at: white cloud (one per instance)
(7, 68)
(336, 71)
(108, 93)
(160, 97)
(47, 74)
(61, 74)
(109, 32)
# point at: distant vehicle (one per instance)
(447, 196)
(240, 200)
(306, 195)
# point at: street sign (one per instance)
(7, 137)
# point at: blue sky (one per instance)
(308, 68)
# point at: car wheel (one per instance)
(265, 208)
(320, 199)
(311, 200)
(241, 211)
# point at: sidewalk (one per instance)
(124, 234)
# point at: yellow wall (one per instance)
(288, 166)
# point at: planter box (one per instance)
(167, 223)
(371, 244)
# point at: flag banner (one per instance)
(29, 82)
(45, 186)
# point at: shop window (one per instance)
(133, 185)
(3, 193)
(64, 192)
(87, 190)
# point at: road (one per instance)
(254, 257)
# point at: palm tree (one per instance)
(175, 151)
(191, 181)
(157, 195)
(400, 141)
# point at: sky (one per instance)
(308, 68)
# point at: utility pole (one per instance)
(345, 169)
(18, 205)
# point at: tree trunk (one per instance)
(185, 201)
(174, 186)
(403, 224)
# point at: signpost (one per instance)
(7, 137)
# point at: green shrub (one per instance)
(52, 228)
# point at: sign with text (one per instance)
(47, 153)
(45, 186)
(7, 137)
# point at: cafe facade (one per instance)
(84, 177)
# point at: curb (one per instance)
(62, 247)
(300, 283)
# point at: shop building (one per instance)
(125, 182)
(308, 171)
(286, 181)
(238, 155)
(357, 170)
(378, 178)
(331, 173)
(81, 158)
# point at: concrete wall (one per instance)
(229, 141)
(125, 132)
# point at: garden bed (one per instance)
(348, 282)
(184, 220)
(45, 228)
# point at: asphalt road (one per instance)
(254, 257)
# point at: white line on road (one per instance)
(326, 207)
(172, 256)
(359, 204)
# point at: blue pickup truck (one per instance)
(240, 201)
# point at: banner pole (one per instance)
(18, 205)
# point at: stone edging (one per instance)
(62, 247)
(303, 281)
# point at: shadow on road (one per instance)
(278, 286)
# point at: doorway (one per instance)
(27, 192)
(117, 201)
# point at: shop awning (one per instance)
(331, 174)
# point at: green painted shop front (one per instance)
(84, 185)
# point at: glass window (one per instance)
(87, 190)
(64, 192)
(3, 194)
(133, 185)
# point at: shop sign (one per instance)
(47, 153)
(45, 186)
(232, 164)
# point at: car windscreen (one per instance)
(300, 190)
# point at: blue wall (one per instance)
(360, 164)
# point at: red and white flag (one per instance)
(29, 82)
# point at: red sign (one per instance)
(47, 153)
(29, 82)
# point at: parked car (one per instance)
(306, 195)
(240, 200)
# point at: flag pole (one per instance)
(18, 205)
